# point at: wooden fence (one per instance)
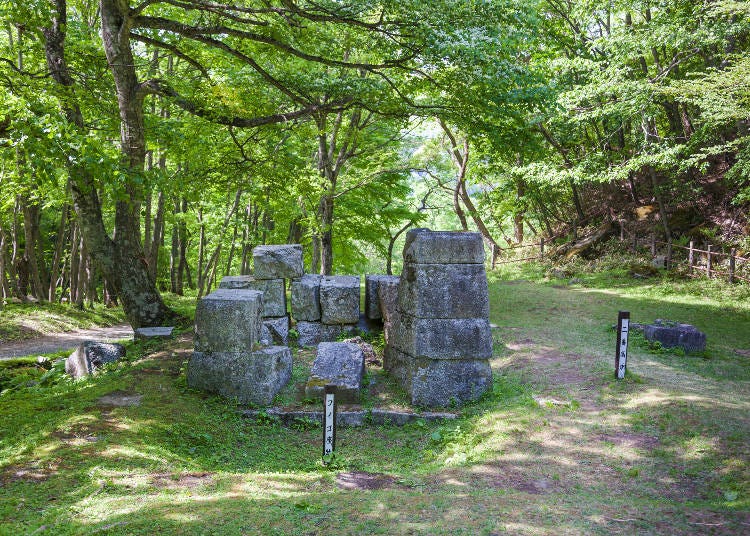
(697, 261)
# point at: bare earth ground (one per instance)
(63, 341)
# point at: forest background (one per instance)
(147, 147)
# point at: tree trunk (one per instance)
(325, 214)
(31, 217)
(157, 240)
(120, 258)
(57, 257)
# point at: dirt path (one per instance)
(63, 341)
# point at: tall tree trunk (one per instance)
(157, 240)
(4, 288)
(31, 220)
(183, 270)
(325, 215)
(57, 256)
(120, 258)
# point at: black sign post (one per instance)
(329, 422)
(621, 352)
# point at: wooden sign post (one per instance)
(621, 355)
(329, 422)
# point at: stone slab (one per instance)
(275, 331)
(306, 298)
(341, 364)
(160, 332)
(440, 383)
(339, 299)
(444, 291)
(440, 338)
(333, 333)
(229, 320)
(398, 365)
(278, 261)
(676, 335)
(443, 247)
(250, 378)
(91, 355)
(372, 302)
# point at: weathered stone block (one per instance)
(372, 283)
(436, 383)
(91, 355)
(251, 378)
(341, 364)
(444, 291)
(398, 365)
(276, 262)
(424, 246)
(275, 331)
(442, 338)
(388, 298)
(306, 298)
(308, 333)
(160, 332)
(674, 334)
(339, 299)
(229, 320)
(274, 291)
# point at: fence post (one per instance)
(541, 247)
(732, 255)
(691, 252)
(668, 260)
(653, 244)
(708, 261)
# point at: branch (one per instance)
(173, 49)
(159, 87)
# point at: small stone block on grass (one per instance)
(676, 335)
(339, 299)
(159, 332)
(91, 355)
(277, 262)
(341, 364)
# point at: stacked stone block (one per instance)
(325, 307)
(438, 338)
(228, 358)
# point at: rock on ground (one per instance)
(90, 356)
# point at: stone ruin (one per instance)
(435, 318)
(437, 326)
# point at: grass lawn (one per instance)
(19, 321)
(558, 447)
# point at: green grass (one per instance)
(557, 447)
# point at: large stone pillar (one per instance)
(439, 341)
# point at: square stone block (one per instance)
(339, 299)
(444, 291)
(278, 262)
(308, 333)
(306, 298)
(437, 383)
(92, 355)
(332, 333)
(388, 298)
(236, 281)
(229, 320)
(250, 378)
(372, 283)
(439, 338)
(674, 334)
(341, 364)
(398, 365)
(424, 246)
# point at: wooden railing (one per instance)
(695, 255)
(496, 252)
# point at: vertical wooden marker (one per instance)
(621, 355)
(329, 420)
